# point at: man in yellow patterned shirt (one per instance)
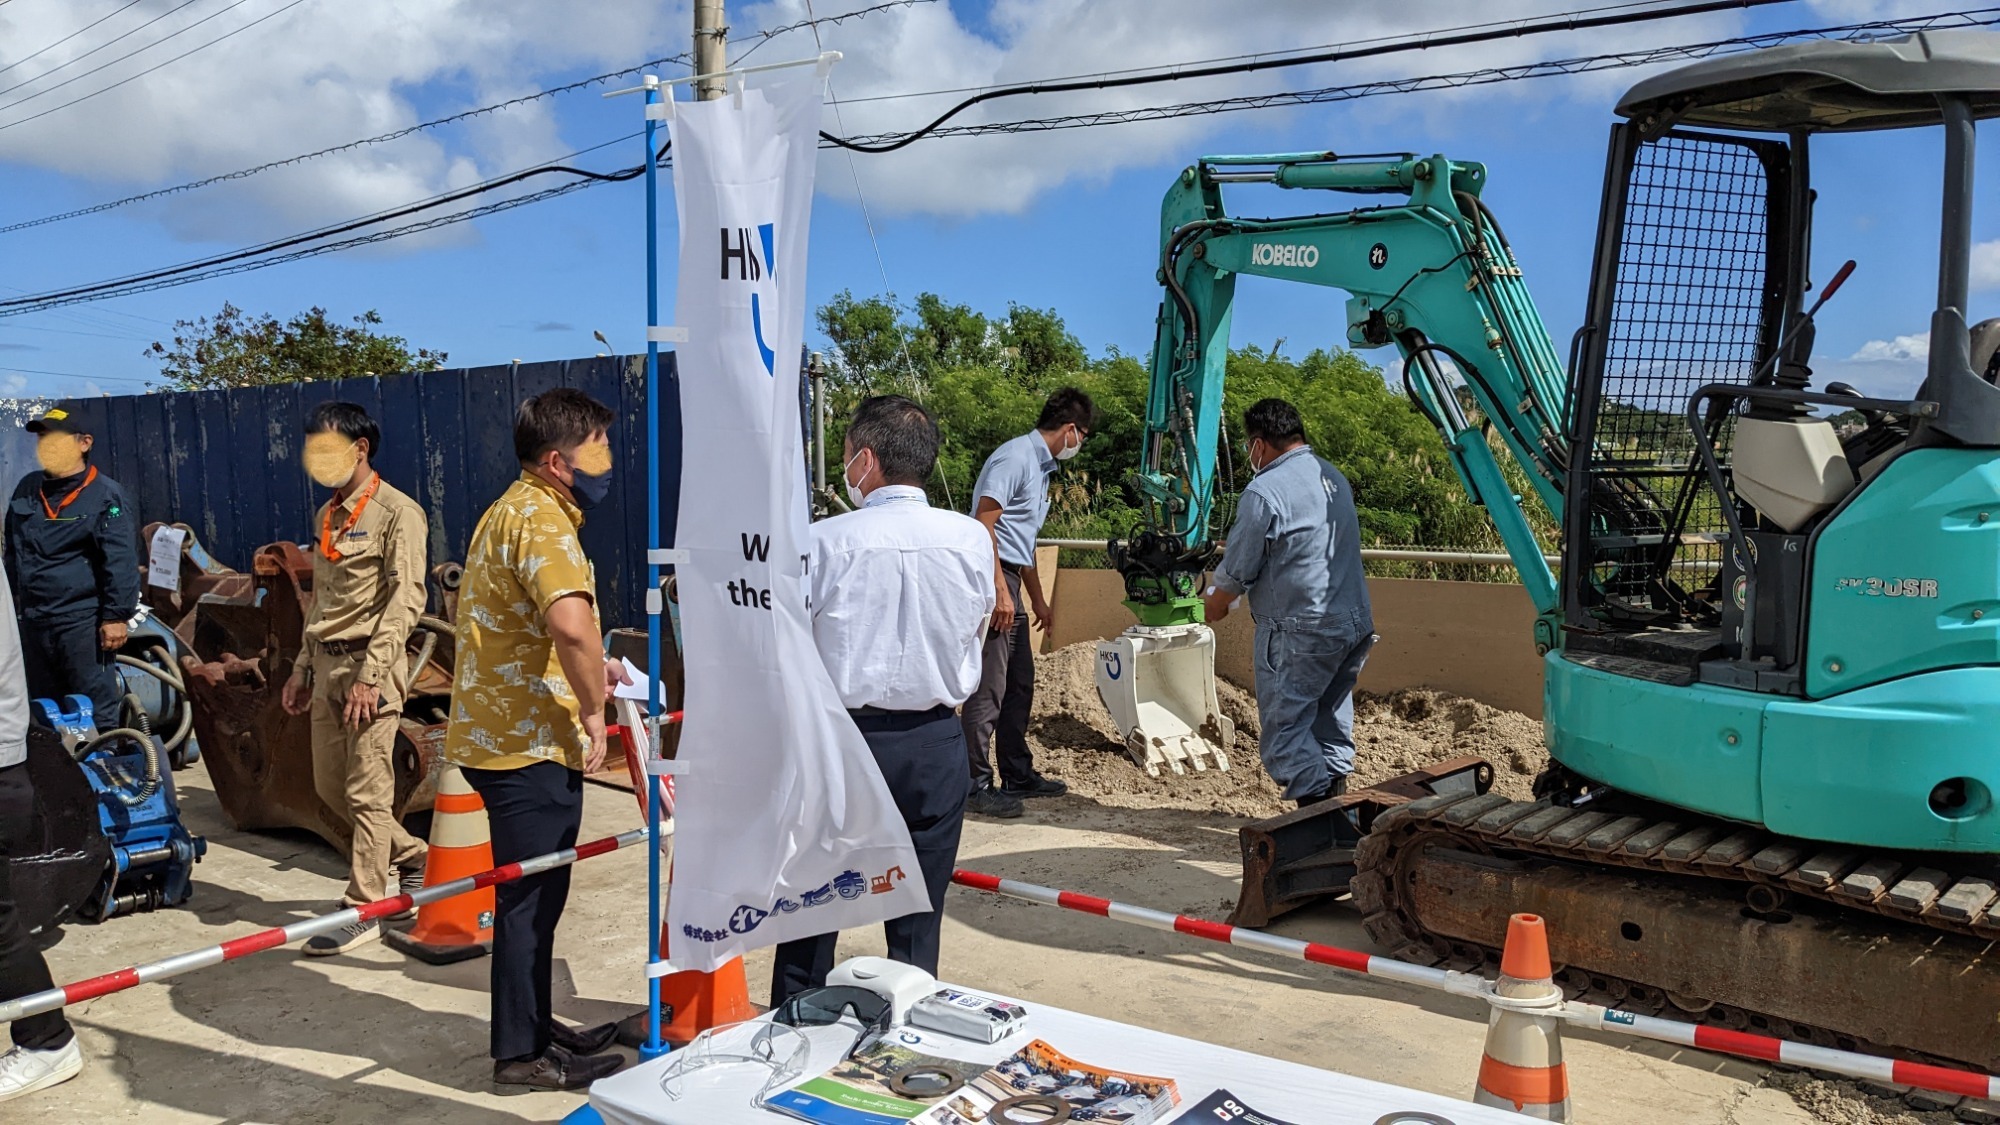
(527, 717)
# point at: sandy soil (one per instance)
(1073, 739)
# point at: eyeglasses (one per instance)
(783, 1051)
(822, 1007)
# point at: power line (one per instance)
(230, 34)
(129, 5)
(451, 119)
(126, 34)
(1550, 68)
(1487, 34)
(240, 261)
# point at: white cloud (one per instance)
(330, 71)
(1986, 265)
(1901, 349)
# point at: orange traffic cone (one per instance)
(703, 1000)
(461, 927)
(1523, 1068)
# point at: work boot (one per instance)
(409, 880)
(582, 1040)
(23, 1071)
(1037, 786)
(988, 801)
(556, 1069)
(343, 939)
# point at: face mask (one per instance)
(590, 481)
(855, 496)
(61, 455)
(1069, 451)
(331, 459)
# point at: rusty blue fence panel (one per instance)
(226, 463)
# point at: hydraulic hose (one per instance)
(184, 723)
(144, 737)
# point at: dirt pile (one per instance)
(1845, 1103)
(1074, 740)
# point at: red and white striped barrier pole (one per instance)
(48, 1001)
(1923, 1076)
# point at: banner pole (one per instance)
(655, 596)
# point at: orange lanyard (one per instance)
(71, 498)
(326, 536)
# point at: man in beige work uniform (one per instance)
(353, 673)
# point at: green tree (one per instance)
(234, 349)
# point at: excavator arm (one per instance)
(1429, 273)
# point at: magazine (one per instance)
(1038, 1070)
(1223, 1106)
(858, 1092)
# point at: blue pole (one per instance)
(653, 1048)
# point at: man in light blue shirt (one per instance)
(1295, 548)
(1012, 499)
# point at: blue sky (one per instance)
(1066, 220)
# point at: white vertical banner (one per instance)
(784, 828)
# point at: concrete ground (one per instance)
(374, 1037)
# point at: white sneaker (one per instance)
(23, 1071)
(343, 939)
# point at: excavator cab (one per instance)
(1744, 549)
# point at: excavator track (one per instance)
(1677, 915)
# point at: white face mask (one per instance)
(854, 495)
(1069, 451)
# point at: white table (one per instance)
(1303, 1094)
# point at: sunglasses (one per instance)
(823, 1007)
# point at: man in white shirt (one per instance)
(45, 1048)
(901, 595)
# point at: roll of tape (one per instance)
(1029, 1109)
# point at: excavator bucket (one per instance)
(1158, 682)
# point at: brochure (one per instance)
(1223, 1106)
(858, 1092)
(1039, 1071)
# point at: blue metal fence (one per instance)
(226, 463)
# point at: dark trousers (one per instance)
(998, 711)
(22, 969)
(532, 810)
(920, 754)
(64, 658)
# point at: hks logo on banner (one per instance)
(784, 826)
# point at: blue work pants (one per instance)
(1306, 671)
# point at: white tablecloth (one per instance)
(1303, 1094)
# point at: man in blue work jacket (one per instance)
(73, 560)
(1295, 548)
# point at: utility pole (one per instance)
(711, 36)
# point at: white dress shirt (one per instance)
(901, 594)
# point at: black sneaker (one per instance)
(988, 801)
(1039, 787)
(556, 1069)
(582, 1040)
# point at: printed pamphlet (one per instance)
(857, 1092)
(1225, 1107)
(1040, 1071)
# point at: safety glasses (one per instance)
(823, 1007)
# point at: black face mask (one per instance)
(590, 491)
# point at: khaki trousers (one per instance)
(355, 774)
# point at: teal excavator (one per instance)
(1772, 648)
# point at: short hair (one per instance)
(563, 418)
(902, 434)
(347, 419)
(1274, 420)
(1068, 406)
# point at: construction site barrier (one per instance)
(50, 1000)
(1743, 1044)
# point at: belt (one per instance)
(1013, 568)
(343, 648)
(938, 711)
